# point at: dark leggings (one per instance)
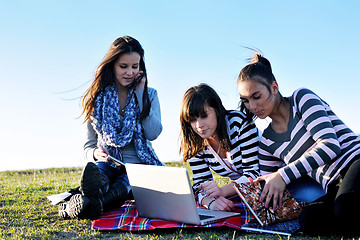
(336, 211)
(112, 175)
(115, 186)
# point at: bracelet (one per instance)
(208, 206)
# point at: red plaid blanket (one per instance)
(126, 218)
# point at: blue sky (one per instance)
(49, 51)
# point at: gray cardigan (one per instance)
(151, 124)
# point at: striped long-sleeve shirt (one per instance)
(242, 159)
(316, 142)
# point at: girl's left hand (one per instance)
(142, 81)
(100, 155)
(222, 204)
(211, 189)
(273, 189)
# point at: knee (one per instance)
(347, 206)
(305, 220)
(346, 209)
(316, 218)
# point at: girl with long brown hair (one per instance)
(122, 115)
(215, 139)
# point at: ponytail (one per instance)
(259, 69)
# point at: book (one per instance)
(250, 192)
(57, 198)
(64, 196)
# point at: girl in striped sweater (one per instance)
(304, 138)
(214, 138)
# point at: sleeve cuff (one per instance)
(285, 177)
(242, 179)
(201, 197)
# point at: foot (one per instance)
(76, 206)
(62, 210)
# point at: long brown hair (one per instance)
(193, 105)
(104, 75)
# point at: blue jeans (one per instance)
(111, 175)
(305, 189)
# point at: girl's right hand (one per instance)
(273, 189)
(222, 204)
(100, 155)
(141, 80)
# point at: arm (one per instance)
(244, 139)
(90, 142)
(248, 139)
(201, 174)
(275, 185)
(213, 190)
(152, 123)
(318, 124)
(204, 184)
(91, 151)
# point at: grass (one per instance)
(25, 212)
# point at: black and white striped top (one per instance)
(316, 142)
(242, 160)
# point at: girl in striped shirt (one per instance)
(213, 138)
(304, 138)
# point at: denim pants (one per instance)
(305, 189)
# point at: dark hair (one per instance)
(193, 105)
(104, 75)
(258, 70)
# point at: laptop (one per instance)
(166, 193)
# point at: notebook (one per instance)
(250, 193)
(282, 220)
(166, 193)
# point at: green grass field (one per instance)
(25, 212)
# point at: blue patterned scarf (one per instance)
(114, 131)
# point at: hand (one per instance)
(211, 189)
(100, 155)
(142, 80)
(273, 189)
(222, 204)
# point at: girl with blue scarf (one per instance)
(122, 116)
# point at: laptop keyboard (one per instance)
(203, 217)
